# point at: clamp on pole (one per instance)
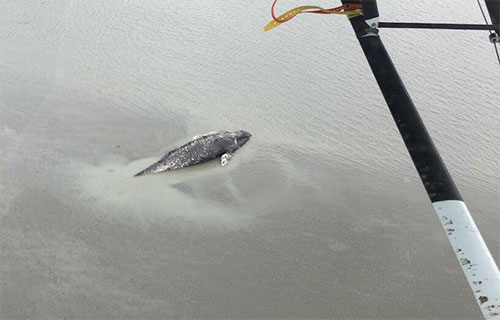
(371, 18)
(494, 38)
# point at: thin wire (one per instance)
(320, 10)
(482, 11)
(486, 21)
(496, 50)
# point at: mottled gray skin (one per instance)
(201, 149)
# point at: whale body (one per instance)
(201, 149)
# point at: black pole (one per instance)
(430, 167)
(494, 11)
(464, 237)
(450, 26)
(466, 240)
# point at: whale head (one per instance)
(241, 137)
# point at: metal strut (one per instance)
(477, 263)
(451, 26)
(494, 11)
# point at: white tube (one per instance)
(473, 254)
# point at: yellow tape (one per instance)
(292, 13)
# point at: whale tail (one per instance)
(154, 168)
(142, 173)
(149, 170)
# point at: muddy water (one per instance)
(320, 215)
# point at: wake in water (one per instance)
(109, 187)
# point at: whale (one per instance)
(202, 148)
